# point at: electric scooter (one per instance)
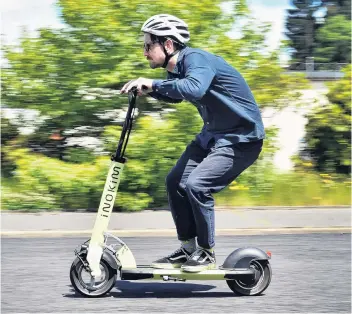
(98, 263)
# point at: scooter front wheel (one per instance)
(85, 284)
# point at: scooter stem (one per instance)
(107, 201)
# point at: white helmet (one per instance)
(167, 25)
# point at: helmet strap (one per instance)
(168, 57)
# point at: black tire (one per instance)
(100, 288)
(256, 286)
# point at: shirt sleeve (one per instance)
(198, 77)
(161, 97)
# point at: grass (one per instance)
(292, 189)
(289, 189)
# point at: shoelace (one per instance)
(180, 250)
(197, 253)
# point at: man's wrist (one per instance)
(156, 85)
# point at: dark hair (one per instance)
(161, 39)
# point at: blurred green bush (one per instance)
(59, 74)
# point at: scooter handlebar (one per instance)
(134, 92)
(116, 86)
(134, 88)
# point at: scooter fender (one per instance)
(242, 257)
(107, 256)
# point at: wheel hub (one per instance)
(258, 276)
(89, 282)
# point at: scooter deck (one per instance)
(147, 272)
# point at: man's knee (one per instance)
(193, 184)
(172, 179)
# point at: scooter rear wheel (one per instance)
(83, 282)
(254, 286)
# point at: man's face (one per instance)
(153, 52)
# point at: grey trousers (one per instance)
(196, 176)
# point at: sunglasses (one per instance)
(148, 46)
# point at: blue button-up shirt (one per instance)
(220, 93)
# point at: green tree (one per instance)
(301, 25)
(58, 74)
(328, 136)
(53, 73)
(338, 7)
(8, 133)
(304, 23)
(49, 73)
(334, 40)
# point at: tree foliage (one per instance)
(334, 40)
(62, 73)
(8, 133)
(328, 129)
(309, 22)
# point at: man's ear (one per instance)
(169, 45)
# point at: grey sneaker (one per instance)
(174, 260)
(200, 260)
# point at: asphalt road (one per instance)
(311, 273)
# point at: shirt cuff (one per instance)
(156, 85)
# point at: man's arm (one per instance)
(198, 77)
(144, 86)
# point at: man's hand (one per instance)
(143, 85)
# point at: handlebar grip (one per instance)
(134, 89)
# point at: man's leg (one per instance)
(180, 206)
(179, 203)
(214, 173)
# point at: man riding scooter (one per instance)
(229, 142)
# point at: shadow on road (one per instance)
(128, 289)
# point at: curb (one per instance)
(172, 232)
(160, 209)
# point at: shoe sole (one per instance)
(197, 269)
(166, 266)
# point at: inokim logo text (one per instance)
(109, 194)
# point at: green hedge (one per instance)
(41, 182)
